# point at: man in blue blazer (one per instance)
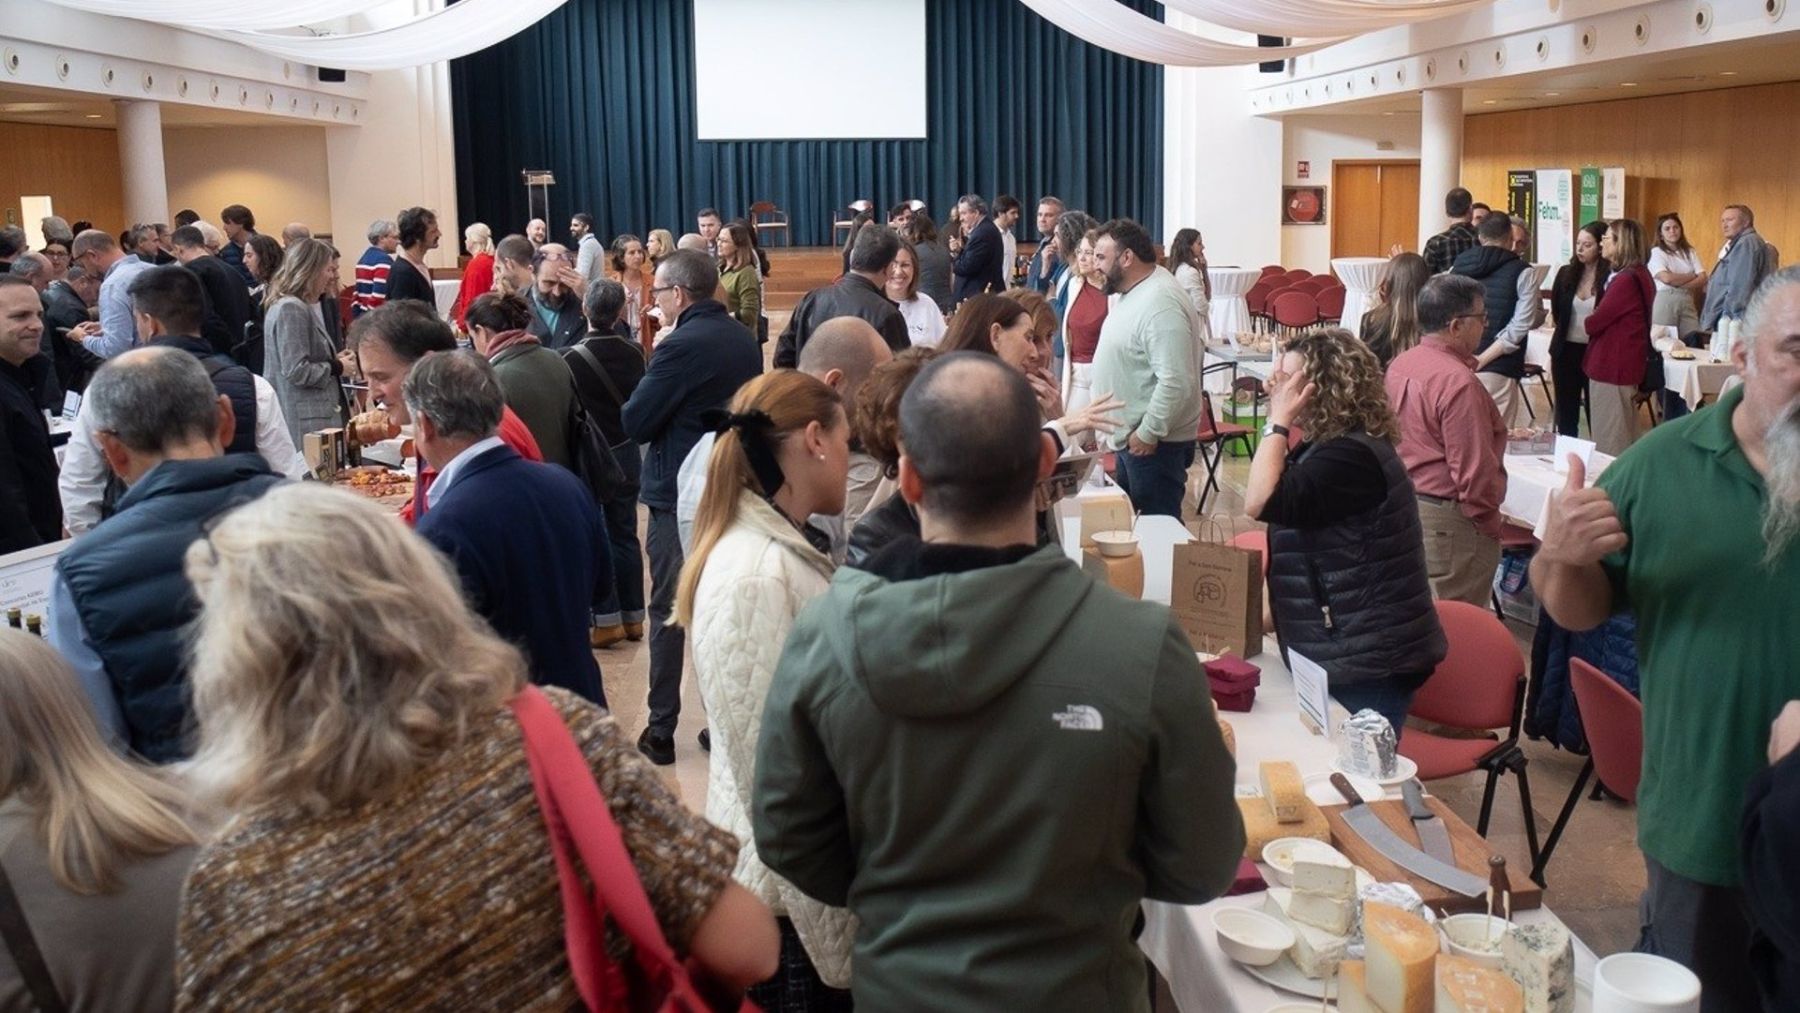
(980, 255)
(697, 366)
(525, 537)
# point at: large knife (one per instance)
(1366, 824)
(1434, 837)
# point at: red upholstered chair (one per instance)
(1269, 269)
(1479, 686)
(1258, 540)
(1293, 310)
(1614, 722)
(1258, 301)
(1212, 437)
(1331, 305)
(1298, 273)
(1314, 283)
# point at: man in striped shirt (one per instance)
(372, 269)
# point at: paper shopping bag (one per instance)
(1216, 594)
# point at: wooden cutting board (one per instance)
(1470, 849)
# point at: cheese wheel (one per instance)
(1463, 986)
(1351, 995)
(1283, 790)
(1260, 827)
(1400, 956)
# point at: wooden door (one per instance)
(1375, 205)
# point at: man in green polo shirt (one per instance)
(1694, 530)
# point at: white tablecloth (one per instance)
(1179, 939)
(1530, 478)
(446, 295)
(1230, 313)
(1694, 380)
(1360, 276)
(1537, 347)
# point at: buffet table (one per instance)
(1179, 939)
(1530, 478)
(1230, 312)
(1697, 379)
(1361, 276)
(446, 296)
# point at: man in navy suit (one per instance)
(698, 365)
(980, 253)
(525, 537)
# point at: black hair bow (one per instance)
(753, 428)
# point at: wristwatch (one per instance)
(1275, 429)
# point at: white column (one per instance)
(141, 172)
(1440, 156)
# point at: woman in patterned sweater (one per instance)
(384, 849)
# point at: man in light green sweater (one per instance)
(1149, 357)
(989, 757)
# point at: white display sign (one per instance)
(1312, 691)
(25, 579)
(1612, 193)
(1555, 216)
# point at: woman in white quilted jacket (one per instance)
(782, 454)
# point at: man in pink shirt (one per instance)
(1452, 440)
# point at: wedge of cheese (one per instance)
(1260, 827)
(1350, 994)
(1400, 954)
(1283, 790)
(1464, 986)
(1315, 951)
(1325, 889)
(1541, 958)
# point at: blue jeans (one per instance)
(1157, 481)
(1383, 696)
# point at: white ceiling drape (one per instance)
(1114, 26)
(457, 30)
(1317, 18)
(240, 15)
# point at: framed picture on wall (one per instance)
(1302, 205)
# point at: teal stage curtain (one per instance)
(601, 93)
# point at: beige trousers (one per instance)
(1505, 392)
(1614, 417)
(1459, 559)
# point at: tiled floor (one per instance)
(1594, 879)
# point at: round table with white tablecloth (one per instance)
(1230, 313)
(1360, 276)
(446, 296)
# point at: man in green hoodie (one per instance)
(987, 756)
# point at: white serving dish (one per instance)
(1116, 544)
(1463, 937)
(1250, 937)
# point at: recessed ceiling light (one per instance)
(1727, 73)
(1552, 94)
(93, 116)
(1489, 101)
(1628, 84)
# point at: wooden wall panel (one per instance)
(77, 166)
(1692, 153)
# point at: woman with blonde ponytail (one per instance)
(782, 454)
(95, 848)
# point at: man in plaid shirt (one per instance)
(1442, 249)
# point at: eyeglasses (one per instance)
(656, 290)
(1470, 316)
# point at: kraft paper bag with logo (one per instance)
(1216, 592)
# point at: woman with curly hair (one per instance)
(1347, 578)
(875, 421)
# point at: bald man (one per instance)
(842, 353)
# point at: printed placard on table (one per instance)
(25, 579)
(1312, 691)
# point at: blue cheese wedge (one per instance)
(1541, 958)
(1315, 951)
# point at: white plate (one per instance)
(1320, 791)
(1285, 975)
(1404, 770)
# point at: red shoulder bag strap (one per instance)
(577, 819)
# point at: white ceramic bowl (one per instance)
(1250, 937)
(1475, 936)
(1279, 855)
(1642, 983)
(1115, 543)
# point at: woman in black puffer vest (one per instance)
(1347, 582)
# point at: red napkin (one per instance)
(1249, 879)
(1233, 681)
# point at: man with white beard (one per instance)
(1693, 529)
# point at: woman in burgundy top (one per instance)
(1081, 327)
(1619, 339)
